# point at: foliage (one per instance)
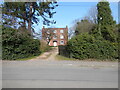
(85, 46)
(44, 46)
(48, 34)
(17, 44)
(106, 24)
(15, 13)
(95, 40)
(84, 26)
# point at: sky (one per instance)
(68, 12)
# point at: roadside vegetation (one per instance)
(96, 37)
(44, 46)
(19, 41)
(17, 44)
(60, 57)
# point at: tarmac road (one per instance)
(59, 74)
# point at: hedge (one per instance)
(85, 46)
(18, 44)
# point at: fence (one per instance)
(63, 51)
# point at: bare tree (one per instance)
(84, 25)
(88, 22)
(92, 14)
(71, 32)
(48, 34)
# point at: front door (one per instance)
(55, 44)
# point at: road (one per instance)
(59, 74)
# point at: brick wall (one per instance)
(60, 32)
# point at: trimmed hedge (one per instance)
(18, 44)
(85, 46)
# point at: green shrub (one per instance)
(44, 47)
(18, 45)
(85, 46)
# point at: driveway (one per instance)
(48, 73)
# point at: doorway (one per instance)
(54, 43)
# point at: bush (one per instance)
(44, 47)
(85, 46)
(18, 45)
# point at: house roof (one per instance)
(55, 28)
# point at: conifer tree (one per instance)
(106, 24)
(29, 12)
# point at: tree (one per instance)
(48, 34)
(88, 23)
(118, 32)
(106, 24)
(29, 12)
(71, 32)
(83, 26)
(17, 44)
(93, 15)
(12, 11)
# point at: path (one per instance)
(50, 55)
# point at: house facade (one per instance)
(55, 36)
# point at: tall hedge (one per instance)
(18, 44)
(85, 46)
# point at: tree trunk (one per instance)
(30, 20)
(29, 27)
(24, 24)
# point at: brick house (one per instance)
(55, 36)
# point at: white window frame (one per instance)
(54, 37)
(62, 42)
(61, 31)
(48, 31)
(61, 36)
(55, 31)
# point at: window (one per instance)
(61, 42)
(61, 37)
(54, 37)
(55, 31)
(48, 32)
(47, 38)
(61, 31)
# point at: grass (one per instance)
(24, 59)
(59, 57)
(29, 58)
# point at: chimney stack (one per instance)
(66, 26)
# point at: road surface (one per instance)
(59, 74)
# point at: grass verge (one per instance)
(59, 57)
(29, 58)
